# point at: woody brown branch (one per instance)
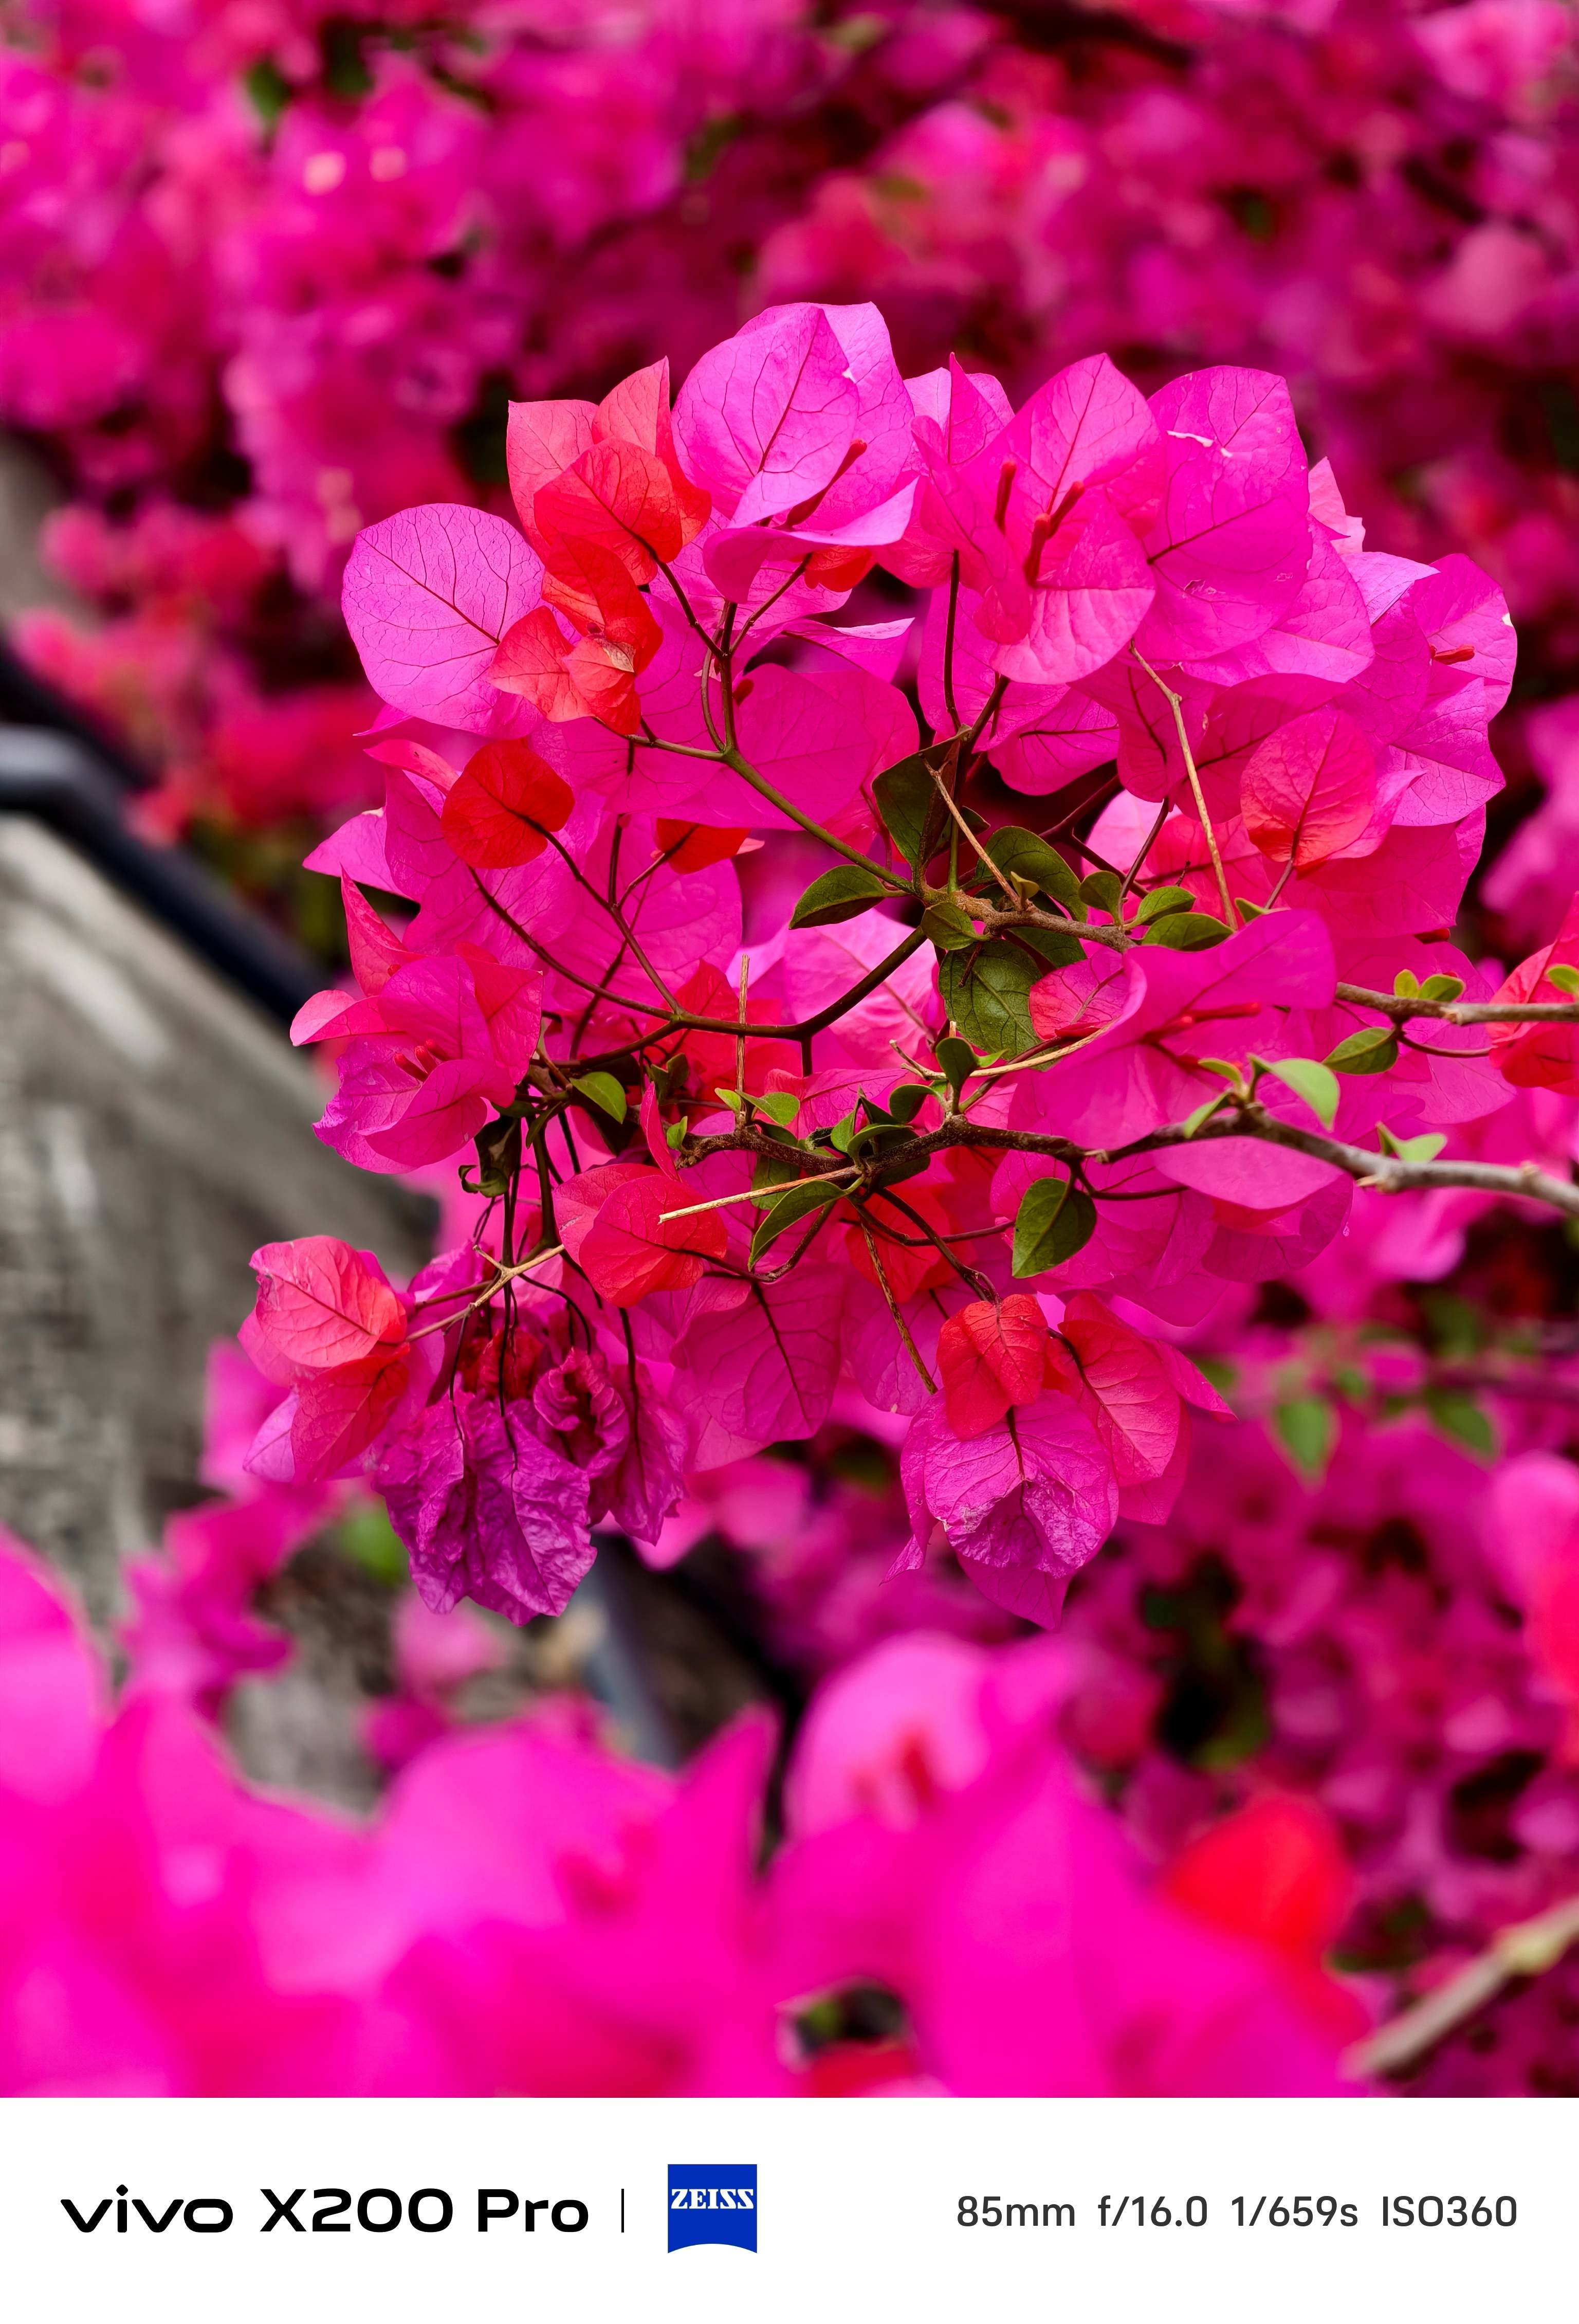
(1400, 1008)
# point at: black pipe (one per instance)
(26, 699)
(65, 783)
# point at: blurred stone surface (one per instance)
(154, 1129)
(28, 493)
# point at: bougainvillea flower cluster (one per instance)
(964, 1128)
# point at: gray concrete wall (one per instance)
(154, 1129)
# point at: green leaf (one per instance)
(499, 1155)
(1247, 911)
(675, 1133)
(1406, 985)
(1565, 978)
(1024, 855)
(841, 1132)
(772, 1171)
(1458, 1328)
(1187, 931)
(367, 1537)
(1445, 988)
(947, 925)
(1056, 1219)
(778, 1105)
(1456, 1415)
(670, 1081)
(1307, 1428)
(269, 90)
(913, 816)
(880, 1139)
(1164, 900)
(604, 1092)
(985, 990)
(1102, 889)
(801, 1201)
(1372, 1050)
(1202, 1114)
(906, 1099)
(839, 895)
(1410, 1149)
(957, 1060)
(1316, 1084)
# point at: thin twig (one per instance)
(1400, 1008)
(1177, 704)
(911, 1350)
(1012, 892)
(496, 1283)
(949, 704)
(1386, 1173)
(748, 773)
(1525, 1948)
(1147, 844)
(763, 1195)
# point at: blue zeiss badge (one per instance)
(712, 2203)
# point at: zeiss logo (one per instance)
(712, 2203)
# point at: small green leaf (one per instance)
(269, 90)
(1163, 899)
(906, 1099)
(1565, 978)
(773, 1170)
(499, 1155)
(1406, 985)
(1457, 1416)
(1187, 931)
(841, 1131)
(839, 895)
(879, 1138)
(367, 1537)
(1307, 1428)
(1247, 911)
(913, 814)
(675, 1133)
(985, 990)
(1024, 855)
(1444, 988)
(957, 1060)
(1225, 1069)
(1410, 1149)
(1372, 1050)
(1055, 1220)
(671, 1081)
(1102, 889)
(947, 925)
(1203, 1114)
(778, 1105)
(1458, 1327)
(604, 1092)
(1316, 1084)
(802, 1201)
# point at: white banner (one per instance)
(289, 2211)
